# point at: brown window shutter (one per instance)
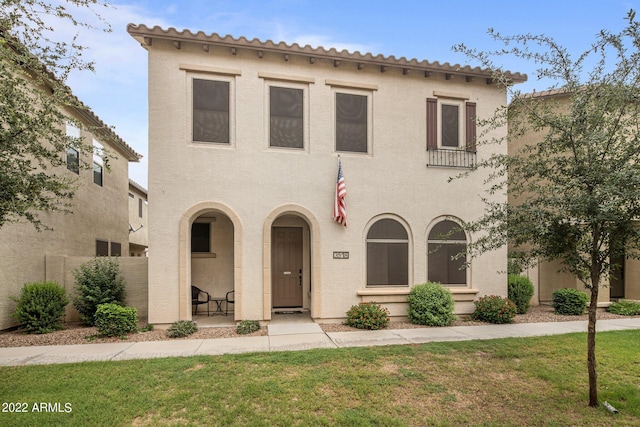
(470, 125)
(432, 123)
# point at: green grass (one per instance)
(511, 382)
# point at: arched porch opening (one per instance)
(210, 244)
(291, 262)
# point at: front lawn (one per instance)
(510, 382)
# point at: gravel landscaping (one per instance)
(79, 334)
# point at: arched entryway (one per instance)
(210, 238)
(292, 261)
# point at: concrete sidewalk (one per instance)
(293, 336)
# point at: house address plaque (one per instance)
(341, 255)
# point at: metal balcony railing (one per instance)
(451, 158)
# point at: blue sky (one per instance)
(426, 29)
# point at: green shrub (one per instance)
(431, 304)
(625, 307)
(367, 315)
(97, 282)
(182, 328)
(569, 301)
(113, 320)
(494, 309)
(247, 326)
(520, 291)
(41, 307)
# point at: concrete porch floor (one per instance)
(222, 321)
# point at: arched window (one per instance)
(446, 240)
(387, 254)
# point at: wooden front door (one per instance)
(286, 267)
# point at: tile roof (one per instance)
(145, 36)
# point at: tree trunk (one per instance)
(591, 343)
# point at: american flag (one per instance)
(339, 206)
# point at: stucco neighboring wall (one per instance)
(60, 269)
(253, 180)
(99, 212)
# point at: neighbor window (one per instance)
(447, 248)
(286, 127)
(73, 160)
(387, 254)
(210, 111)
(140, 208)
(98, 152)
(116, 249)
(73, 157)
(201, 237)
(102, 248)
(351, 123)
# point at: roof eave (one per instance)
(146, 35)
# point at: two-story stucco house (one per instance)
(245, 138)
(548, 276)
(97, 226)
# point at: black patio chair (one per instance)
(198, 296)
(229, 297)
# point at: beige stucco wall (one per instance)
(98, 213)
(551, 277)
(252, 180)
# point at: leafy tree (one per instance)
(573, 184)
(35, 104)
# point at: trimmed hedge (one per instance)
(494, 309)
(431, 304)
(367, 315)
(625, 307)
(98, 282)
(113, 320)
(569, 301)
(41, 306)
(247, 326)
(520, 291)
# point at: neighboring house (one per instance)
(138, 215)
(547, 276)
(98, 225)
(245, 138)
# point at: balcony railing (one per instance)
(451, 158)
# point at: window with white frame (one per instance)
(72, 154)
(387, 254)
(451, 124)
(447, 248)
(98, 163)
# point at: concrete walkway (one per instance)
(291, 336)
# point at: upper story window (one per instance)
(447, 247)
(352, 128)
(73, 156)
(451, 132)
(286, 117)
(98, 163)
(387, 254)
(211, 111)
